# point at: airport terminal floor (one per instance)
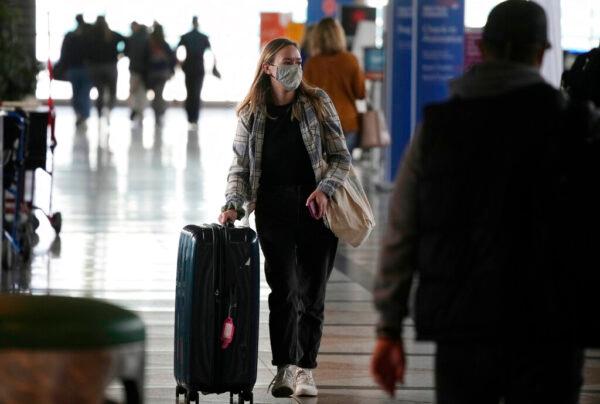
(126, 190)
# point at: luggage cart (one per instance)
(16, 241)
(24, 155)
(41, 126)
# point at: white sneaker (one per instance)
(283, 382)
(305, 383)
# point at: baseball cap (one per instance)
(517, 21)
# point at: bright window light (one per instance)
(232, 26)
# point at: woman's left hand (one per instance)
(321, 200)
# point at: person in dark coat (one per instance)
(582, 80)
(106, 47)
(136, 49)
(73, 56)
(490, 211)
(195, 44)
(160, 64)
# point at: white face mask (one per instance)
(290, 76)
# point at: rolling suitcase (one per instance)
(216, 311)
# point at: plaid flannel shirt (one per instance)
(324, 142)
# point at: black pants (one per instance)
(193, 87)
(104, 78)
(471, 373)
(299, 254)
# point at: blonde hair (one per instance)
(306, 43)
(260, 90)
(328, 37)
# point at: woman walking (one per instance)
(337, 71)
(161, 66)
(289, 158)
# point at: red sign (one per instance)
(329, 7)
(273, 25)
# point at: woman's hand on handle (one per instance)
(321, 200)
(228, 216)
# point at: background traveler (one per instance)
(486, 212)
(73, 61)
(103, 63)
(305, 44)
(582, 80)
(161, 66)
(285, 129)
(136, 49)
(195, 44)
(336, 71)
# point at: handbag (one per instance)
(348, 214)
(59, 71)
(373, 131)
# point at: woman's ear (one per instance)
(265, 68)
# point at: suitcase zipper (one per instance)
(217, 280)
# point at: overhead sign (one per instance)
(438, 50)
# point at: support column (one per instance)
(397, 84)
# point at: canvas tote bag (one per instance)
(373, 132)
(348, 213)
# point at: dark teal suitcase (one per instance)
(217, 277)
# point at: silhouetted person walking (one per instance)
(136, 50)
(195, 44)
(73, 60)
(161, 65)
(490, 211)
(103, 57)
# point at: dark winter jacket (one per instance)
(483, 211)
(136, 49)
(75, 48)
(195, 44)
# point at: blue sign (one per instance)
(398, 82)
(319, 9)
(438, 51)
(374, 59)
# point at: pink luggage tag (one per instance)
(227, 332)
(228, 328)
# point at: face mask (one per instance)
(289, 76)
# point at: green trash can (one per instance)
(58, 350)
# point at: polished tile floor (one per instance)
(126, 190)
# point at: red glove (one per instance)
(388, 363)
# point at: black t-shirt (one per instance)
(285, 160)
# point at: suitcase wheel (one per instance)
(247, 396)
(180, 390)
(191, 396)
